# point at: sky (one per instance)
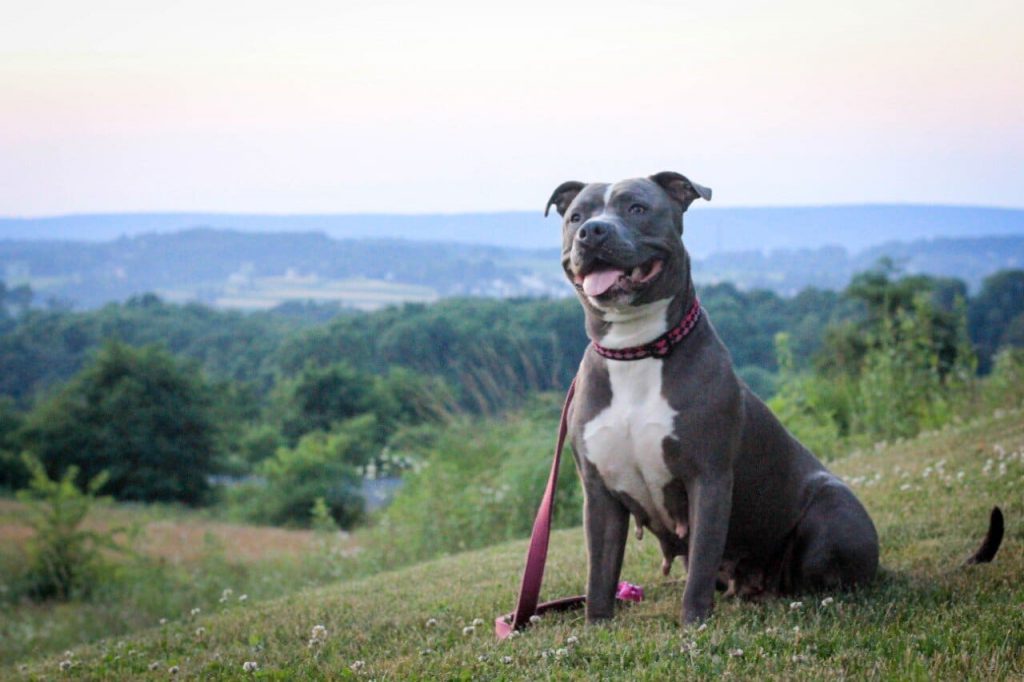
(443, 106)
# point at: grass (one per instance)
(925, 618)
(180, 560)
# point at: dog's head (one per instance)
(622, 242)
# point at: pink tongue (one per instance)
(596, 283)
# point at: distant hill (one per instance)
(246, 270)
(787, 271)
(227, 268)
(708, 229)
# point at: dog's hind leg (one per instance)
(836, 543)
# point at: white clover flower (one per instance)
(827, 601)
(514, 633)
(431, 622)
(200, 632)
(561, 652)
(68, 653)
(22, 667)
(534, 618)
(163, 621)
(250, 666)
(481, 658)
(506, 659)
(357, 665)
(796, 629)
(468, 630)
(173, 670)
(319, 633)
(65, 665)
(478, 621)
(796, 605)
(572, 640)
(735, 653)
(905, 487)
(243, 597)
(799, 658)
(154, 665)
(426, 652)
(194, 612)
(703, 627)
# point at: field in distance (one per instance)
(263, 293)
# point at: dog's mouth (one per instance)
(602, 279)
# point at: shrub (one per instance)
(479, 482)
(909, 378)
(906, 384)
(64, 558)
(318, 467)
(137, 414)
(13, 474)
(1005, 386)
(812, 408)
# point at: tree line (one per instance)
(170, 399)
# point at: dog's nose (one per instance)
(593, 233)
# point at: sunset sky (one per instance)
(397, 106)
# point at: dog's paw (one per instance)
(695, 614)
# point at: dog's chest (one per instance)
(625, 440)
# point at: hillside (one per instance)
(925, 618)
(709, 229)
(257, 271)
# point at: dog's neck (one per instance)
(641, 324)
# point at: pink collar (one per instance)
(662, 345)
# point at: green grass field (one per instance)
(926, 617)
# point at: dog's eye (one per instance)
(575, 218)
(638, 209)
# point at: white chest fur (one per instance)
(624, 441)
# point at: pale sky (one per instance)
(395, 106)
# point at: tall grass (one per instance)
(901, 388)
(479, 482)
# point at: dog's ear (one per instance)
(563, 196)
(681, 189)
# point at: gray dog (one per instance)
(662, 428)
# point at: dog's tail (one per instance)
(993, 538)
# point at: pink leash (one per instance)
(537, 554)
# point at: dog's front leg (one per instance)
(607, 525)
(710, 504)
